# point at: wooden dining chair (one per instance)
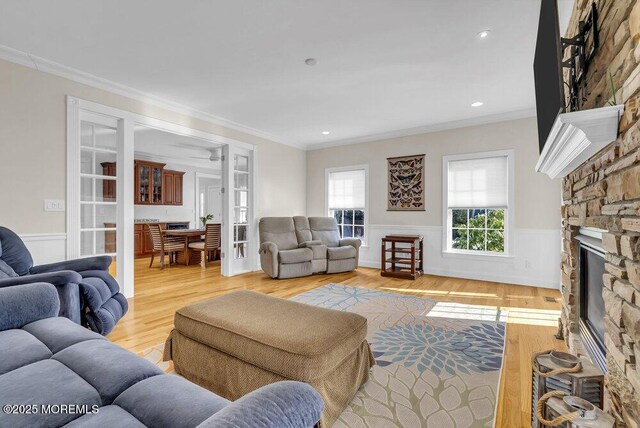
(163, 245)
(210, 245)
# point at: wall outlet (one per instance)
(54, 204)
(527, 264)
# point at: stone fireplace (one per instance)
(603, 195)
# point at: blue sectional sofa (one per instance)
(54, 373)
(88, 294)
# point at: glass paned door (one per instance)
(239, 243)
(240, 206)
(98, 184)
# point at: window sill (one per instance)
(500, 258)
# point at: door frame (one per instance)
(124, 234)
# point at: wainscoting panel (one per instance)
(534, 262)
(46, 247)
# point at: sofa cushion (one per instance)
(107, 367)
(46, 382)
(107, 416)
(326, 230)
(6, 271)
(299, 255)
(303, 232)
(190, 404)
(280, 231)
(59, 333)
(258, 329)
(340, 253)
(19, 348)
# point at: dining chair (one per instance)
(164, 245)
(210, 245)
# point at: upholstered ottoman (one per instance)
(241, 341)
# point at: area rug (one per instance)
(438, 364)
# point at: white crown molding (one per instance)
(463, 123)
(51, 67)
(575, 137)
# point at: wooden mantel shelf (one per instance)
(577, 136)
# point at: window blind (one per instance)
(478, 183)
(347, 189)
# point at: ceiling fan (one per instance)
(215, 153)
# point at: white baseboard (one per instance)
(46, 247)
(535, 258)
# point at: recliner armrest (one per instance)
(268, 247)
(60, 278)
(286, 404)
(354, 242)
(77, 265)
(27, 303)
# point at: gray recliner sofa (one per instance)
(49, 364)
(292, 247)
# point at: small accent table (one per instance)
(403, 258)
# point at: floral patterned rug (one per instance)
(438, 364)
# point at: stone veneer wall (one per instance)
(605, 193)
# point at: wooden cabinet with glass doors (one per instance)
(148, 183)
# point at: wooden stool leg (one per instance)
(152, 256)
(203, 258)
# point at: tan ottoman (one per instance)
(241, 341)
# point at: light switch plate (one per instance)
(54, 204)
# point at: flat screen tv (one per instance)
(547, 70)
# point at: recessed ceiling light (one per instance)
(311, 61)
(477, 104)
(483, 34)
(326, 132)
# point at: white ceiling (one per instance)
(174, 149)
(383, 65)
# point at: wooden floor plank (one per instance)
(531, 323)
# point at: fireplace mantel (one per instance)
(577, 136)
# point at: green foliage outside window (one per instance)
(478, 230)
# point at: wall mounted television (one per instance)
(547, 70)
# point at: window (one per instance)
(477, 201)
(347, 199)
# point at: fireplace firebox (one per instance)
(592, 310)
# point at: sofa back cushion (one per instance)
(325, 229)
(279, 230)
(14, 252)
(303, 231)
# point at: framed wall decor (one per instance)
(406, 183)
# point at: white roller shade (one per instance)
(346, 189)
(478, 183)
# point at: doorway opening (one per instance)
(124, 168)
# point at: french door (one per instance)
(240, 245)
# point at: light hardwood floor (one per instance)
(532, 321)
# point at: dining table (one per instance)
(189, 235)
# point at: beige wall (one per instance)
(537, 196)
(33, 147)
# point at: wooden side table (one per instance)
(402, 256)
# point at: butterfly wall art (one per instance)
(406, 183)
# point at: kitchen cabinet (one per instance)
(153, 184)
(148, 182)
(172, 187)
